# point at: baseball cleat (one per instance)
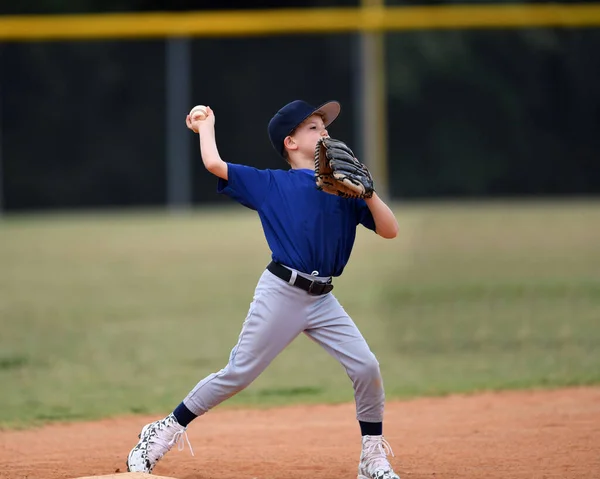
(373, 459)
(156, 439)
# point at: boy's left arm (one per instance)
(386, 224)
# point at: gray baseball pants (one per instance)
(278, 313)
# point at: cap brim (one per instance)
(329, 111)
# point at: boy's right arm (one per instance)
(208, 145)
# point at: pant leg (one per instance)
(332, 328)
(276, 316)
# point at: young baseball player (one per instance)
(311, 234)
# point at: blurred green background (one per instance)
(116, 313)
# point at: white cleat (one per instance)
(156, 439)
(373, 459)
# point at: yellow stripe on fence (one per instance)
(294, 21)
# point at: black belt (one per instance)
(316, 288)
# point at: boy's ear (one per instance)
(289, 143)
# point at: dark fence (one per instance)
(470, 113)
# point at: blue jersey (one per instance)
(306, 229)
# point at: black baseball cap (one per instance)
(291, 115)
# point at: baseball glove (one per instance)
(338, 172)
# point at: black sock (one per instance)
(183, 415)
(371, 428)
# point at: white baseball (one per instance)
(199, 112)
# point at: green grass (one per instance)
(108, 314)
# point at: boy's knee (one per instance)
(368, 370)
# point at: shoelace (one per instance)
(167, 445)
(376, 453)
(178, 439)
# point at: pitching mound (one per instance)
(506, 435)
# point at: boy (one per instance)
(310, 234)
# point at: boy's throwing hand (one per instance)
(199, 114)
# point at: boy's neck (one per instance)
(302, 163)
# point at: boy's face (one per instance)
(305, 136)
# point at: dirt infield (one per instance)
(540, 434)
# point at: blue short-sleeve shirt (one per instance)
(306, 229)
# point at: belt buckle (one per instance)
(318, 288)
